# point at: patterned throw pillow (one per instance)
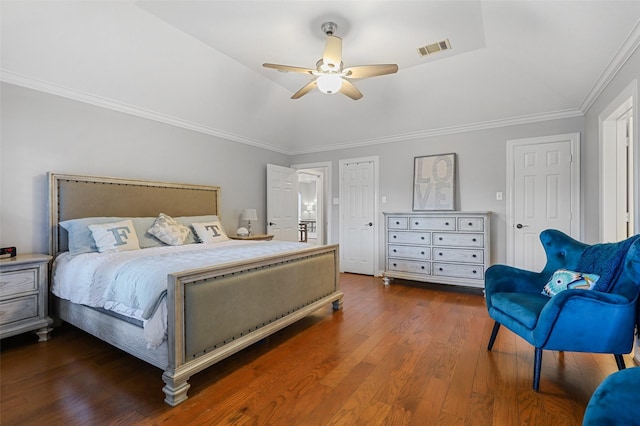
(167, 230)
(210, 232)
(116, 236)
(564, 279)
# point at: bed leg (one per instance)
(175, 390)
(337, 304)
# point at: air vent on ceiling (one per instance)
(432, 48)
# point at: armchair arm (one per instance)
(503, 278)
(586, 321)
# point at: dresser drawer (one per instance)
(409, 252)
(458, 271)
(410, 237)
(470, 224)
(397, 222)
(461, 240)
(433, 223)
(18, 309)
(409, 266)
(18, 282)
(458, 255)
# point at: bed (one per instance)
(212, 310)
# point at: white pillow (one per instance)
(167, 230)
(116, 236)
(210, 232)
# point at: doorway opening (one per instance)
(314, 208)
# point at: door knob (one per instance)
(520, 226)
(368, 224)
(272, 224)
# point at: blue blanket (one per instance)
(605, 260)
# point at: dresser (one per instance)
(439, 247)
(24, 295)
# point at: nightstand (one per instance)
(24, 292)
(264, 237)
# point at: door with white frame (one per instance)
(358, 214)
(618, 167)
(311, 205)
(282, 203)
(543, 191)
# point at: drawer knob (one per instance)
(395, 236)
(440, 238)
(446, 223)
(440, 269)
(470, 224)
(397, 223)
(474, 271)
(394, 250)
(474, 240)
(474, 255)
(422, 238)
(395, 264)
(439, 254)
(422, 267)
(421, 252)
(417, 223)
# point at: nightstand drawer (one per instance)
(17, 282)
(19, 309)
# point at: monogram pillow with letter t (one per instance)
(210, 232)
(116, 236)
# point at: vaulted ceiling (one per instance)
(198, 64)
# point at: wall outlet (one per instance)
(499, 196)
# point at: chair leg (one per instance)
(537, 363)
(619, 362)
(494, 333)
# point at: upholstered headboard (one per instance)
(78, 196)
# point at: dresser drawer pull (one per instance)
(440, 238)
(417, 223)
(446, 223)
(395, 264)
(470, 223)
(395, 236)
(439, 254)
(474, 255)
(422, 238)
(440, 269)
(421, 252)
(474, 240)
(397, 223)
(475, 272)
(422, 267)
(394, 250)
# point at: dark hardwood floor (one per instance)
(402, 354)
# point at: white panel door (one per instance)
(541, 197)
(358, 217)
(282, 203)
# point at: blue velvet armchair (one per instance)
(600, 320)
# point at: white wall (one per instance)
(42, 132)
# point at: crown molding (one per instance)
(514, 121)
(43, 86)
(621, 57)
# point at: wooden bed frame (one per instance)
(213, 312)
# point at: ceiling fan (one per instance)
(331, 76)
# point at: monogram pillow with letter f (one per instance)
(210, 232)
(117, 236)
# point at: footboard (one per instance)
(216, 312)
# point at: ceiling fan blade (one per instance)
(350, 90)
(306, 89)
(363, 71)
(287, 68)
(332, 56)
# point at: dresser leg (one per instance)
(44, 333)
(386, 280)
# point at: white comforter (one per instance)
(133, 283)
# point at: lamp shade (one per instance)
(249, 214)
(329, 83)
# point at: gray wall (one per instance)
(42, 132)
(481, 160)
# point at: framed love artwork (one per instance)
(434, 182)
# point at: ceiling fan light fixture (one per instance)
(329, 83)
